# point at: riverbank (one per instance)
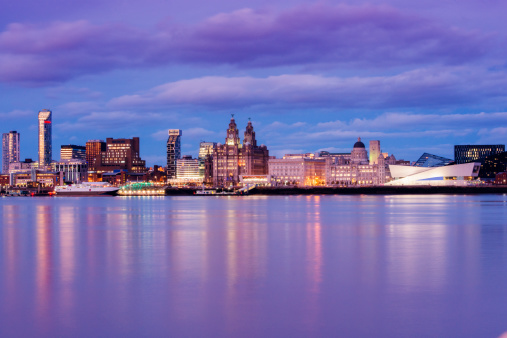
(361, 190)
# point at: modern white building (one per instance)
(451, 175)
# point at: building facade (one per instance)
(188, 168)
(232, 159)
(74, 170)
(120, 154)
(45, 138)
(303, 171)
(94, 149)
(358, 170)
(472, 153)
(72, 152)
(10, 149)
(173, 151)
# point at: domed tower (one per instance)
(359, 155)
(232, 133)
(250, 135)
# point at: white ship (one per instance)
(86, 188)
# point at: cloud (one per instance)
(431, 87)
(368, 36)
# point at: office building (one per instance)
(430, 160)
(232, 159)
(473, 153)
(45, 140)
(493, 165)
(359, 169)
(10, 149)
(94, 149)
(206, 161)
(187, 168)
(173, 151)
(302, 171)
(120, 154)
(74, 170)
(72, 152)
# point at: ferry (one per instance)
(86, 188)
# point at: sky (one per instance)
(420, 76)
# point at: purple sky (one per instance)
(419, 77)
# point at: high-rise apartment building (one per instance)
(94, 148)
(45, 141)
(10, 149)
(173, 151)
(374, 151)
(72, 152)
(473, 153)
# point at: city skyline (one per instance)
(311, 77)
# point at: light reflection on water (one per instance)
(392, 266)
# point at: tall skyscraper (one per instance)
(173, 151)
(374, 151)
(10, 149)
(72, 152)
(45, 142)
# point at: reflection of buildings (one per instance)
(10, 150)
(233, 159)
(474, 153)
(173, 151)
(45, 141)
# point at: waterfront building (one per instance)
(74, 170)
(430, 160)
(10, 149)
(493, 165)
(358, 169)
(173, 151)
(206, 161)
(501, 178)
(449, 175)
(303, 171)
(188, 168)
(21, 166)
(473, 153)
(232, 159)
(72, 152)
(34, 177)
(375, 151)
(94, 149)
(120, 154)
(45, 138)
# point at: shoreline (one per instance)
(407, 190)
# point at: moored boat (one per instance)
(86, 188)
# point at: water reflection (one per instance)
(280, 266)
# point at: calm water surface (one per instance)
(298, 266)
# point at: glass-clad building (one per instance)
(472, 153)
(430, 160)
